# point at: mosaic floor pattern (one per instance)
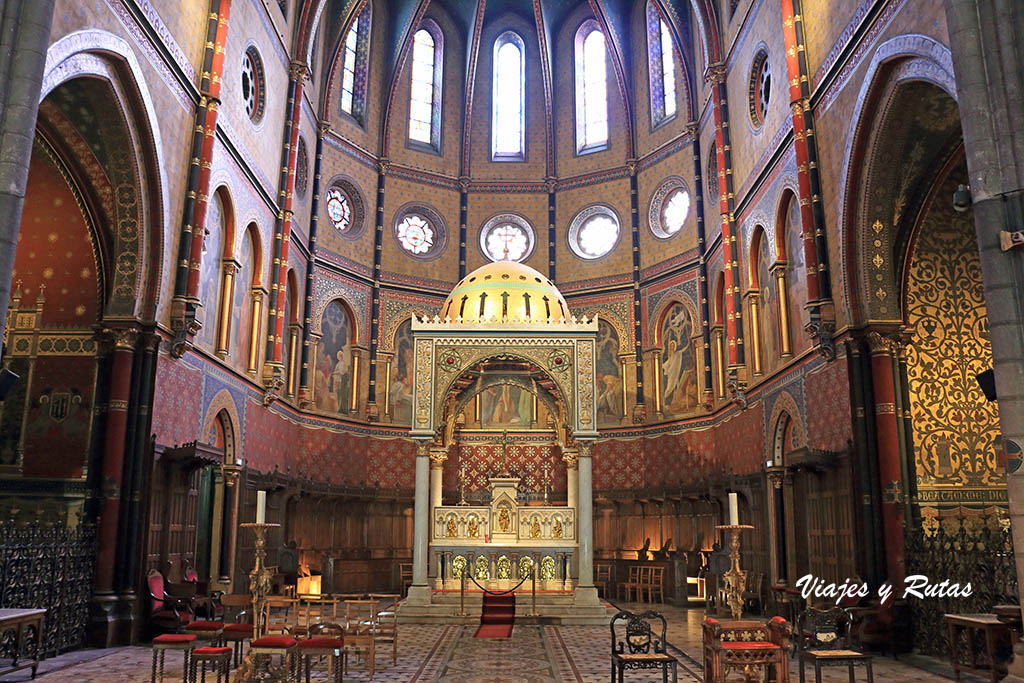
(534, 654)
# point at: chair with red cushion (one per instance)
(219, 657)
(167, 612)
(324, 640)
(741, 645)
(210, 631)
(237, 622)
(265, 648)
(171, 641)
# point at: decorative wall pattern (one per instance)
(955, 428)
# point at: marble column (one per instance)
(419, 591)
(571, 460)
(437, 457)
(586, 593)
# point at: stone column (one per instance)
(106, 626)
(988, 81)
(586, 593)
(890, 469)
(24, 36)
(438, 455)
(571, 460)
(419, 591)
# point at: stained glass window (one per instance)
(594, 232)
(591, 88)
(424, 109)
(415, 234)
(252, 84)
(508, 123)
(760, 87)
(661, 66)
(507, 237)
(675, 211)
(350, 62)
(339, 209)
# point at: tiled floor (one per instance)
(534, 654)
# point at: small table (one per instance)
(993, 629)
(27, 627)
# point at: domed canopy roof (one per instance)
(506, 289)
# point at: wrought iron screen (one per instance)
(51, 567)
(976, 549)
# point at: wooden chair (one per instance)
(405, 576)
(744, 645)
(238, 626)
(822, 639)
(642, 581)
(360, 624)
(754, 592)
(323, 641)
(656, 584)
(386, 628)
(167, 613)
(602, 578)
(623, 588)
(184, 642)
(640, 649)
(385, 601)
(281, 615)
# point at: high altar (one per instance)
(504, 324)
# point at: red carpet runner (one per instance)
(497, 617)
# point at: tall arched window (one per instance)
(508, 103)
(354, 66)
(661, 66)
(591, 89)
(425, 101)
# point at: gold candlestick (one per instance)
(259, 577)
(736, 578)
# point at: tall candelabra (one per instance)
(259, 577)
(735, 579)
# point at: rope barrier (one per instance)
(521, 582)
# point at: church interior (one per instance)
(415, 340)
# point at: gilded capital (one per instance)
(717, 72)
(570, 458)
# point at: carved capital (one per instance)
(298, 71)
(776, 476)
(691, 128)
(437, 457)
(717, 72)
(323, 127)
(383, 165)
(464, 183)
(570, 458)
(119, 338)
(585, 448)
(422, 449)
(881, 343)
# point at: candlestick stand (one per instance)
(259, 577)
(736, 578)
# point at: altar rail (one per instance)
(50, 567)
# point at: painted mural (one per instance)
(608, 373)
(505, 406)
(771, 335)
(796, 278)
(677, 360)
(241, 305)
(401, 382)
(333, 377)
(209, 270)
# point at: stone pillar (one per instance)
(890, 469)
(778, 524)
(438, 455)
(988, 78)
(24, 36)
(419, 591)
(571, 460)
(586, 593)
(107, 627)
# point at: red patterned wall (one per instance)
(827, 390)
(54, 249)
(483, 460)
(59, 421)
(176, 403)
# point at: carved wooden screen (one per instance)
(830, 525)
(172, 519)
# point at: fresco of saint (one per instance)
(333, 381)
(678, 369)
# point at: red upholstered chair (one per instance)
(171, 641)
(736, 645)
(324, 640)
(265, 648)
(237, 622)
(167, 613)
(219, 657)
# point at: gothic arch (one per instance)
(897, 65)
(658, 315)
(223, 407)
(785, 416)
(388, 343)
(138, 174)
(318, 316)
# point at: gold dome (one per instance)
(506, 289)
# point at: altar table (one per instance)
(993, 631)
(26, 627)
